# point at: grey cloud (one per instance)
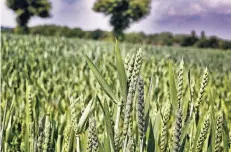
(191, 7)
(182, 16)
(213, 24)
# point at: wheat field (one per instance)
(67, 95)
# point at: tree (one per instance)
(193, 33)
(135, 37)
(122, 12)
(202, 43)
(25, 9)
(194, 37)
(225, 44)
(213, 42)
(189, 40)
(203, 35)
(97, 34)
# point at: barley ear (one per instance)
(137, 66)
(131, 90)
(29, 103)
(131, 145)
(129, 68)
(74, 120)
(93, 143)
(47, 133)
(164, 131)
(66, 139)
(29, 116)
(41, 133)
(127, 111)
(126, 63)
(219, 129)
(203, 133)
(202, 89)
(140, 109)
(177, 131)
(117, 141)
(180, 82)
(192, 88)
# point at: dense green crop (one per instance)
(62, 94)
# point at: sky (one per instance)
(176, 16)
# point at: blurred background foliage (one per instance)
(158, 39)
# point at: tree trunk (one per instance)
(22, 21)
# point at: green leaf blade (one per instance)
(121, 72)
(101, 80)
(173, 92)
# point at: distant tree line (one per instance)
(164, 38)
(158, 39)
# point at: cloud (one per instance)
(213, 24)
(7, 16)
(192, 7)
(182, 16)
(75, 14)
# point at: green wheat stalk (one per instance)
(74, 120)
(177, 131)
(47, 133)
(180, 82)
(164, 132)
(93, 143)
(203, 133)
(219, 129)
(67, 132)
(131, 90)
(41, 133)
(131, 145)
(140, 111)
(202, 89)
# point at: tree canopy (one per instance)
(122, 12)
(25, 9)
